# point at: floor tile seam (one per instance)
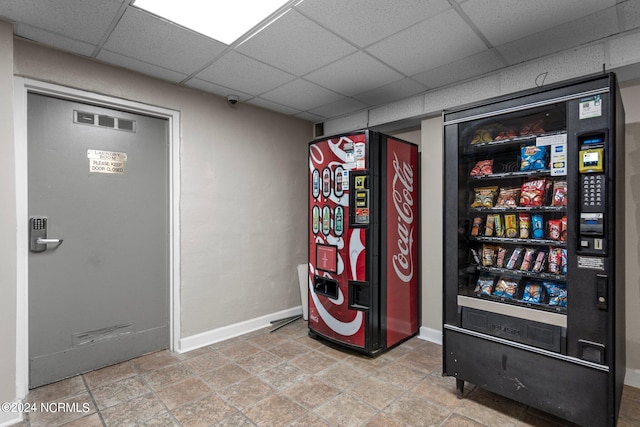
(163, 385)
(306, 410)
(93, 399)
(375, 410)
(158, 399)
(242, 411)
(134, 373)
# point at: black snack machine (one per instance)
(534, 248)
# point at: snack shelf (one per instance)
(515, 141)
(521, 273)
(506, 175)
(520, 209)
(528, 242)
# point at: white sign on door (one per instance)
(101, 161)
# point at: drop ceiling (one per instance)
(323, 59)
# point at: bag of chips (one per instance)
(488, 229)
(525, 225)
(554, 229)
(555, 260)
(497, 224)
(484, 197)
(541, 261)
(511, 226)
(557, 293)
(514, 259)
(537, 224)
(475, 226)
(506, 287)
(483, 167)
(533, 158)
(528, 259)
(488, 255)
(559, 193)
(508, 198)
(532, 192)
(484, 286)
(532, 293)
(500, 258)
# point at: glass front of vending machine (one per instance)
(534, 237)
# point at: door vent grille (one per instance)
(103, 334)
(103, 121)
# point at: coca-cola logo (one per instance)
(402, 186)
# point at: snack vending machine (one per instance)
(363, 240)
(534, 248)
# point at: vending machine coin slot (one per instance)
(601, 291)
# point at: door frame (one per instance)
(24, 86)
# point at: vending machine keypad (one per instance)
(592, 191)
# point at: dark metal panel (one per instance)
(571, 391)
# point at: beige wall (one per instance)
(7, 222)
(631, 100)
(243, 198)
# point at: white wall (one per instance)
(631, 100)
(7, 225)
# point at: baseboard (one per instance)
(432, 335)
(9, 418)
(231, 331)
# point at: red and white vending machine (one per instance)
(363, 240)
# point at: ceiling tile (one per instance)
(239, 72)
(500, 23)
(309, 117)
(630, 13)
(263, 103)
(156, 41)
(429, 44)
(55, 40)
(295, 44)
(392, 92)
(462, 69)
(339, 108)
(217, 89)
(302, 95)
(82, 20)
(580, 31)
(364, 22)
(140, 66)
(354, 74)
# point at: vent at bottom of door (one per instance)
(90, 337)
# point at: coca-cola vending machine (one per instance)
(363, 240)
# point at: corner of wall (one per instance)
(8, 223)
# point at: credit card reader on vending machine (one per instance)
(592, 193)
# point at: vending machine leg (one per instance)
(459, 388)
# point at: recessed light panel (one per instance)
(225, 21)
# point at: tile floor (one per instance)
(285, 378)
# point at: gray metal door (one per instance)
(98, 180)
